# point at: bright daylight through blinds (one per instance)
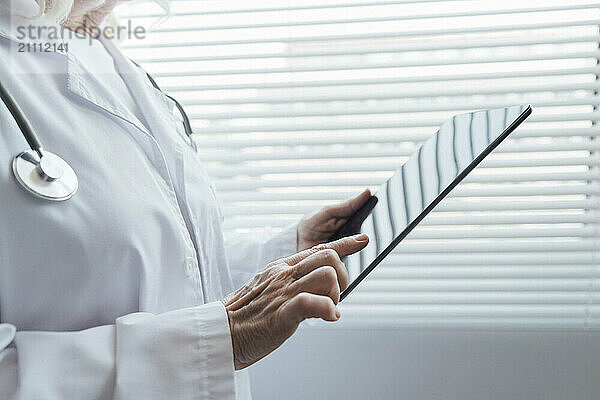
(298, 104)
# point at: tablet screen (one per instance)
(425, 178)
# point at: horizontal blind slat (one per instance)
(422, 310)
(396, 94)
(487, 271)
(445, 45)
(230, 10)
(461, 191)
(389, 18)
(450, 205)
(437, 218)
(384, 165)
(480, 285)
(497, 257)
(352, 152)
(460, 298)
(384, 65)
(364, 36)
(245, 141)
(337, 81)
(576, 324)
(351, 110)
(374, 124)
(250, 183)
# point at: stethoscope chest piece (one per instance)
(48, 177)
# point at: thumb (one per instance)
(344, 247)
(350, 206)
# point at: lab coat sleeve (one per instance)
(249, 253)
(182, 354)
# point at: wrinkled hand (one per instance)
(267, 309)
(319, 227)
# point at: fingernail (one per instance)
(338, 314)
(361, 238)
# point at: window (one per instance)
(298, 104)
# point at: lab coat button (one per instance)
(190, 266)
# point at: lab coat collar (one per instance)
(14, 25)
(80, 83)
(86, 85)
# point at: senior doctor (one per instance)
(128, 290)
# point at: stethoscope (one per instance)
(44, 174)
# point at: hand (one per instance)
(267, 309)
(319, 227)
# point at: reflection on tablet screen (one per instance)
(426, 174)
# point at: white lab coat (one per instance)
(113, 294)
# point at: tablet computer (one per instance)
(429, 174)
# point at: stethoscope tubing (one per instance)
(187, 126)
(21, 120)
(49, 176)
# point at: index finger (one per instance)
(344, 247)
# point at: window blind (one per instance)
(299, 104)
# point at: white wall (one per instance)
(378, 364)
